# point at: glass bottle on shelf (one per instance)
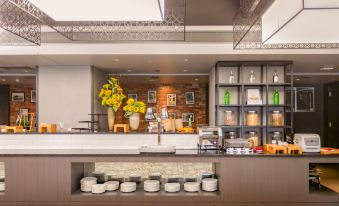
(252, 77)
(227, 97)
(275, 78)
(231, 78)
(276, 97)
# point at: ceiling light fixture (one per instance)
(116, 60)
(186, 60)
(17, 80)
(286, 24)
(103, 10)
(185, 70)
(196, 79)
(326, 68)
(3, 80)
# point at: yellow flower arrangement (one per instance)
(111, 94)
(134, 107)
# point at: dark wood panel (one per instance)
(4, 105)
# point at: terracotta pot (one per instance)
(110, 118)
(134, 121)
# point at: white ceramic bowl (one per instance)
(128, 187)
(192, 186)
(172, 187)
(112, 185)
(98, 188)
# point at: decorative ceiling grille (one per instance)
(17, 27)
(247, 29)
(24, 20)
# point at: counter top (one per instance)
(135, 153)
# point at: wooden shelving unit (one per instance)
(263, 71)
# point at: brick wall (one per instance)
(16, 106)
(199, 108)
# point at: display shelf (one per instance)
(263, 72)
(228, 85)
(231, 105)
(230, 127)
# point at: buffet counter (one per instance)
(46, 170)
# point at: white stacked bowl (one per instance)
(2, 186)
(192, 186)
(112, 185)
(128, 187)
(86, 183)
(98, 188)
(172, 187)
(210, 184)
(152, 185)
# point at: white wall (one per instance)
(64, 94)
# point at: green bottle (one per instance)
(227, 97)
(276, 97)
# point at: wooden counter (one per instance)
(244, 180)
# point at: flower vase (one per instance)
(110, 118)
(134, 121)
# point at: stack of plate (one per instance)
(128, 187)
(155, 176)
(112, 185)
(2, 186)
(151, 185)
(98, 188)
(210, 184)
(192, 186)
(172, 187)
(101, 176)
(115, 178)
(135, 178)
(206, 175)
(87, 182)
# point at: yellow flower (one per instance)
(130, 101)
(102, 91)
(142, 110)
(136, 109)
(108, 93)
(106, 86)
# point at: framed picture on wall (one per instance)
(189, 96)
(187, 116)
(152, 96)
(171, 100)
(133, 96)
(33, 95)
(18, 97)
(23, 112)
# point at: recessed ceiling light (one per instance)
(185, 70)
(116, 60)
(326, 68)
(17, 80)
(297, 79)
(26, 71)
(196, 79)
(186, 60)
(3, 80)
(130, 70)
(103, 10)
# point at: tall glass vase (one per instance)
(110, 118)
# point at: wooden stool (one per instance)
(47, 128)
(14, 129)
(125, 127)
(294, 149)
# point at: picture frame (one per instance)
(133, 96)
(33, 95)
(152, 96)
(189, 97)
(171, 100)
(172, 115)
(18, 97)
(23, 111)
(186, 116)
